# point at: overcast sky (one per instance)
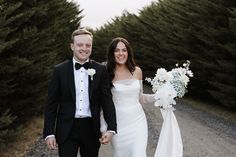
(99, 12)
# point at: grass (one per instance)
(31, 131)
(213, 109)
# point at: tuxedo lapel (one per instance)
(71, 79)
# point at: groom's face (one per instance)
(82, 47)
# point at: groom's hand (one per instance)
(106, 137)
(51, 143)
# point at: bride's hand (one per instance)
(106, 138)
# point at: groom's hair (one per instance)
(80, 31)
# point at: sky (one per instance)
(98, 12)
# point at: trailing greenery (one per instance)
(172, 31)
(34, 36)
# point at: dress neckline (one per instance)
(134, 79)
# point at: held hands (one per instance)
(106, 137)
(51, 143)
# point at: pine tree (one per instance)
(224, 76)
(7, 131)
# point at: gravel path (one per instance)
(203, 135)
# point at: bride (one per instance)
(132, 131)
(126, 80)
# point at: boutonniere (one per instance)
(91, 72)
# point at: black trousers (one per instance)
(81, 136)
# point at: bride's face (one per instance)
(121, 53)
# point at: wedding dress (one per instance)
(132, 131)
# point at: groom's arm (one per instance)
(107, 103)
(52, 105)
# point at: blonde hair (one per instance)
(80, 31)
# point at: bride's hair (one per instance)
(111, 64)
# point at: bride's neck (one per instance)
(120, 68)
(122, 71)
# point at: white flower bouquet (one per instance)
(167, 85)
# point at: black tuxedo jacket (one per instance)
(60, 107)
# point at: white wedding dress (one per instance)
(132, 131)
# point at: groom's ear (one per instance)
(72, 46)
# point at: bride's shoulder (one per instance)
(138, 73)
(138, 69)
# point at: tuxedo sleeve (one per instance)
(107, 103)
(51, 105)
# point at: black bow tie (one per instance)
(78, 66)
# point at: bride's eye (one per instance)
(116, 50)
(124, 50)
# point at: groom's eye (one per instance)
(88, 45)
(79, 45)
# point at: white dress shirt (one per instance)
(81, 92)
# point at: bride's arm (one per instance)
(143, 98)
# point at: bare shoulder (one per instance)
(138, 73)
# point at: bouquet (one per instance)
(168, 85)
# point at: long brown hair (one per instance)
(111, 64)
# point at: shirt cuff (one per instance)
(49, 136)
(111, 131)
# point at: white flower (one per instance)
(165, 96)
(162, 75)
(190, 73)
(148, 79)
(91, 72)
(185, 79)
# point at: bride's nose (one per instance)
(121, 52)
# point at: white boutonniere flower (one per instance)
(91, 72)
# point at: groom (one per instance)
(78, 90)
